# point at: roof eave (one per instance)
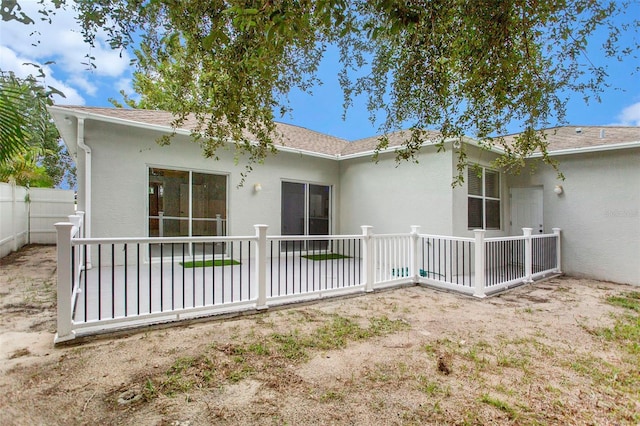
(587, 149)
(285, 148)
(66, 111)
(164, 129)
(395, 148)
(116, 120)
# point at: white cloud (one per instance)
(630, 116)
(62, 43)
(9, 61)
(72, 97)
(109, 62)
(84, 84)
(124, 84)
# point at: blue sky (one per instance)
(321, 111)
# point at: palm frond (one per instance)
(17, 126)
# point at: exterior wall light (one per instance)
(257, 187)
(558, 189)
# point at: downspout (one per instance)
(87, 178)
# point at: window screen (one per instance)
(483, 202)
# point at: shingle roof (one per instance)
(572, 137)
(300, 138)
(294, 137)
(158, 118)
(369, 144)
(309, 140)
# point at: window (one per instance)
(186, 203)
(484, 198)
(305, 211)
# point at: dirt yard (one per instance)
(562, 351)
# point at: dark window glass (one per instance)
(475, 213)
(491, 184)
(483, 203)
(474, 181)
(493, 214)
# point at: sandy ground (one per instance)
(407, 356)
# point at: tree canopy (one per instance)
(31, 152)
(461, 67)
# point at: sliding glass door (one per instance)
(305, 211)
(208, 205)
(184, 204)
(168, 214)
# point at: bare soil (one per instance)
(534, 355)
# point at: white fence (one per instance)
(115, 283)
(28, 215)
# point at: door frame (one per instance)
(306, 207)
(529, 192)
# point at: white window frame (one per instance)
(190, 201)
(484, 197)
(306, 202)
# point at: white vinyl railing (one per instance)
(312, 265)
(393, 259)
(447, 262)
(114, 283)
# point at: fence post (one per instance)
(14, 217)
(528, 255)
(367, 257)
(81, 230)
(479, 263)
(65, 282)
(261, 266)
(415, 230)
(557, 232)
(76, 221)
(27, 200)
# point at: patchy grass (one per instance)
(626, 330)
(630, 300)
(210, 262)
(289, 346)
(432, 387)
(503, 360)
(507, 383)
(620, 381)
(325, 256)
(332, 395)
(230, 363)
(500, 405)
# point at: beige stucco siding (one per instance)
(121, 157)
(459, 215)
(391, 197)
(599, 212)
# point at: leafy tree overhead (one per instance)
(31, 152)
(23, 169)
(12, 121)
(30, 149)
(461, 67)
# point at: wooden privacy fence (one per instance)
(28, 215)
(114, 283)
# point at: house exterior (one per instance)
(317, 184)
(599, 207)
